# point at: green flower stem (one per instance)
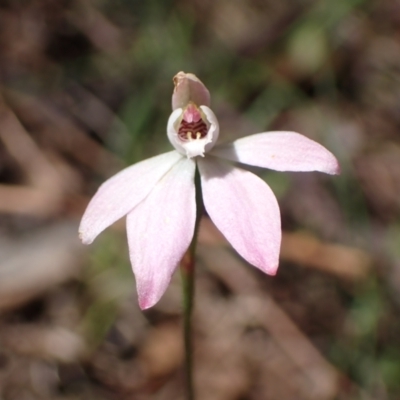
(188, 275)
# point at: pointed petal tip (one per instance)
(149, 295)
(85, 240)
(269, 264)
(145, 304)
(333, 167)
(337, 169)
(84, 233)
(272, 271)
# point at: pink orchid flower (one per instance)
(158, 194)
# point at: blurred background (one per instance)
(85, 90)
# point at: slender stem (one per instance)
(187, 271)
(188, 274)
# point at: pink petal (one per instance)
(122, 192)
(281, 151)
(245, 210)
(160, 230)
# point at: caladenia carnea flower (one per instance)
(158, 195)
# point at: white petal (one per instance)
(160, 230)
(280, 151)
(213, 131)
(122, 192)
(172, 129)
(245, 210)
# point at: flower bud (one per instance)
(193, 130)
(189, 89)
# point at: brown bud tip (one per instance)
(189, 89)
